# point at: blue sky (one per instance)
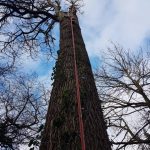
(122, 21)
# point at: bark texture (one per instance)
(62, 125)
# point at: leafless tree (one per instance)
(27, 25)
(23, 104)
(124, 88)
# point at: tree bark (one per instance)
(62, 123)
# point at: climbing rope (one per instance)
(77, 89)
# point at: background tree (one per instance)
(124, 88)
(23, 104)
(23, 99)
(27, 25)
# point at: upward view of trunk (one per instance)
(62, 128)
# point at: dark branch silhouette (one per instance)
(123, 83)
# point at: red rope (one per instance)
(78, 90)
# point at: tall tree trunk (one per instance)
(62, 129)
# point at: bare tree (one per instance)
(124, 88)
(27, 25)
(23, 104)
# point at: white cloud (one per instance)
(125, 22)
(28, 64)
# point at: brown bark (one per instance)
(62, 124)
